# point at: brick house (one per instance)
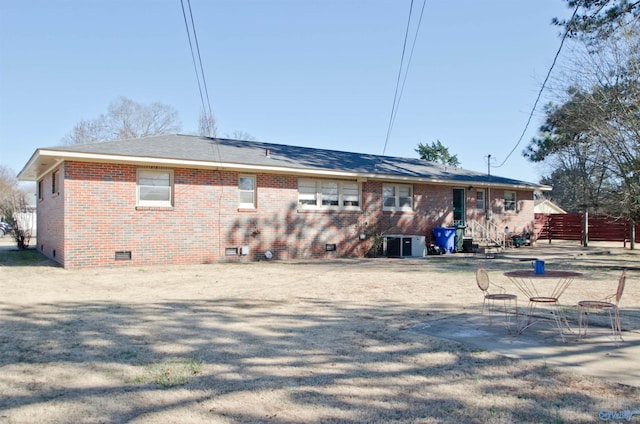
(184, 199)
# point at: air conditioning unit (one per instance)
(401, 245)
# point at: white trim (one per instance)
(515, 201)
(254, 191)
(154, 203)
(318, 195)
(397, 207)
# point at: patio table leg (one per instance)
(558, 316)
(539, 292)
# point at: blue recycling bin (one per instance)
(445, 238)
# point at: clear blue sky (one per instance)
(318, 73)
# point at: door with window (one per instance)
(458, 207)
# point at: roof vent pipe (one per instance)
(267, 152)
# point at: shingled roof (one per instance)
(197, 151)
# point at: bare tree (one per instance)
(126, 119)
(240, 135)
(87, 132)
(598, 122)
(13, 205)
(8, 187)
(208, 126)
(615, 94)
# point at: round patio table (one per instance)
(545, 288)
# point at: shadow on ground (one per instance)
(252, 360)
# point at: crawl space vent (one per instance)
(123, 255)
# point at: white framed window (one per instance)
(397, 197)
(247, 192)
(328, 194)
(307, 193)
(155, 187)
(510, 201)
(350, 194)
(480, 205)
(388, 196)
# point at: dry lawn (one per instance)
(295, 342)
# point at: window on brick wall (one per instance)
(307, 193)
(510, 201)
(247, 192)
(40, 189)
(328, 194)
(480, 200)
(350, 194)
(155, 187)
(55, 183)
(397, 197)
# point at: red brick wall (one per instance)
(50, 218)
(522, 219)
(102, 217)
(99, 217)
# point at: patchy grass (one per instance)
(171, 373)
(26, 257)
(270, 342)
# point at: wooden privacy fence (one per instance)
(570, 226)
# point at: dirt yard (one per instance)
(283, 342)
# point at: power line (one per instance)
(544, 83)
(404, 80)
(398, 95)
(195, 37)
(206, 91)
(395, 95)
(205, 108)
(193, 58)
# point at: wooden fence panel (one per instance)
(606, 229)
(565, 226)
(569, 227)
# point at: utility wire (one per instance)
(195, 37)
(193, 58)
(544, 83)
(404, 80)
(199, 75)
(395, 95)
(204, 83)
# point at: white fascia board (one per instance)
(102, 157)
(455, 183)
(151, 161)
(29, 171)
(30, 164)
(287, 170)
(508, 186)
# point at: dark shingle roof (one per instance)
(254, 154)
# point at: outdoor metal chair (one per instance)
(609, 304)
(482, 278)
